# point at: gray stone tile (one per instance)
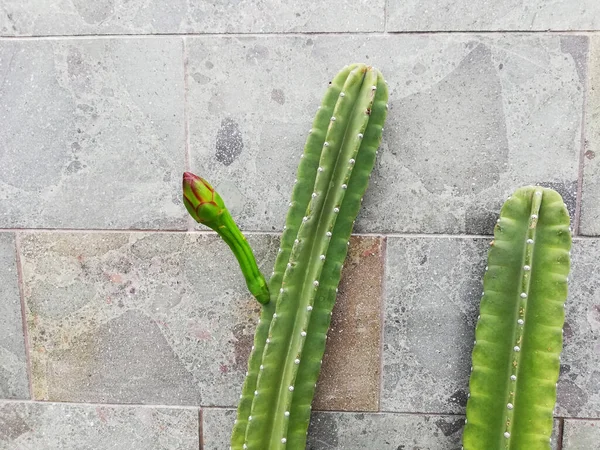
(355, 431)
(433, 287)
(27, 425)
(472, 15)
(579, 382)
(590, 203)
(581, 434)
(14, 382)
(471, 119)
(28, 17)
(160, 318)
(92, 133)
(217, 425)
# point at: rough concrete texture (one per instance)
(350, 376)
(13, 363)
(590, 204)
(449, 15)
(579, 383)
(471, 118)
(92, 133)
(433, 287)
(138, 318)
(30, 17)
(581, 434)
(26, 425)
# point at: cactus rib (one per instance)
(519, 330)
(309, 262)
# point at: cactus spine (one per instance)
(274, 409)
(519, 330)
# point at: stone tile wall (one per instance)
(124, 326)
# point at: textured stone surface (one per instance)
(92, 133)
(350, 375)
(581, 434)
(433, 287)
(464, 15)
(355, 431)
(471, 119)
(30, 17)
(13, 366)
(138, 318)
(590, 203)
(579, 383)
(96, 427)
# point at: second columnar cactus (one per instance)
(519, 330)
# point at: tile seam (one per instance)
(582, 143)
(295, 34)
(26, 342)
(382, 306)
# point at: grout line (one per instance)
(24, 314)
(298, 33)
(582, 144)
(200, 429)
(382, 318)
(561, 430)
(108, 405)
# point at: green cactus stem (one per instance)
(516, 356)
(206, 207)
(285, 361)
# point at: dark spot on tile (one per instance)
(13, 424)
(242, 345)
(500, 66)
(589, 154)
(74, 166)
(571, 397)
(229, 143)
(577, 47)
(209, 65)
(458, 398)
(323, 432)
(568, 331)
(200, 78)
(278, 96)
(565, 368)
(449, 427)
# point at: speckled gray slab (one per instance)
(579, 382)
(27, 425)
(590, 204)
(30, 17)
(471, 118)
(13, 366)
(475, 15)
(581, 435)
(92, 133)
(355, 431)
(160, 318)
(433, 287)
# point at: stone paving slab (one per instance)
(590, 202)
(13, 364)
(433, 287)
(160, 318)
(92, 133)
(431, 303)
(28, 425)
(579, 382)
(29, 17)
(581, 434)
(165, 318)
(471, 118)
(499, 15)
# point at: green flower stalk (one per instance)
(516, 358)
(206, 206)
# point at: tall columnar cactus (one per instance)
(519, 330)
(274, 409)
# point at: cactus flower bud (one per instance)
(200, 199)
